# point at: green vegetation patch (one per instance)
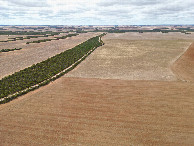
(56, 38)
(8, 50)
(27, 37)
(44, 70)
(28, 33)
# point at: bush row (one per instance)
(28, 33)
(7, 50)
(27, 37)
(42, 73)
(56, 38)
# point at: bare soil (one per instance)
(88, 111)
(75, 111)
(30, 54)
(150, 36)
(184, 66)
(124, 58)
(22, 43)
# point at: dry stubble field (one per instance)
(88, 111)
(134, 56)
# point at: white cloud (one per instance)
(77, 12)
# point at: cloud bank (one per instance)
(96, 12)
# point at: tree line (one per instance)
(27, 37)
(28, 33)
(55, 38)
(8, 50)
(42, 73)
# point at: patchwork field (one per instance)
(131, 91)
(150, 36)
(36, 52)
(126, 56)
(183, 67)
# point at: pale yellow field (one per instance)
(127, 57)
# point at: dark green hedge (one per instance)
(57, 38)
(46, 69)
(7, 50)
(28, 33)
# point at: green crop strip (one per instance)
(44, 72)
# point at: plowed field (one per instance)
(91, 111)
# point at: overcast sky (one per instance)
(96, 12)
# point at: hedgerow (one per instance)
(7, 50)
(28, 33)
(28, 37)
(56, 38)
(42, 73)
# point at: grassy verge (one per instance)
(42, 73)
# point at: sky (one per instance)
(96, 12)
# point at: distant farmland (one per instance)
(134, 56)
(34, 53)
(136, 89)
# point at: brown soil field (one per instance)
(23, 28)
(150, 36)
(75, 111)
(89, 111)
(127, 57)
(183, 67)
(36, 52)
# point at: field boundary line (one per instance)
(174, 62)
